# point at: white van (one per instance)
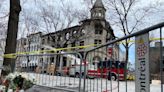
(74, 70)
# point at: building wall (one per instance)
(30, 44)
(155, 61)
(83, 34)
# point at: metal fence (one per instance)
(54, 70)
(104, 68)
(110, 71)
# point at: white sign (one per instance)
(142, 63)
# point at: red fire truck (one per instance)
(112, 70)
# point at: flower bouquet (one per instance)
(17, 81)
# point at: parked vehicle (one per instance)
(74, 70)
(112, 70)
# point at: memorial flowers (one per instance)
(17, 81)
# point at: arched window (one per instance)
(74, 32)
(94, 14)
(67, 36)
(98, 29)
(99, 14)
(59, 38)
(83, 31)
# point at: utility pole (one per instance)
(15, 8)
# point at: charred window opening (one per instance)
(64, 61)
(98, 29)
(97, 41)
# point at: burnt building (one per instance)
(95, 30)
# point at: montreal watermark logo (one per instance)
(141, 52)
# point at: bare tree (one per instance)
(12, 30)
(30, 26)
(3, 25)
(61, 19)
(56, 20)
(128, 18)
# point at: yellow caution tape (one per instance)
(153, 39)
(14, 55)
(9, 56)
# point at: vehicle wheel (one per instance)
(91, 77)
(113, 77)
(77, 75)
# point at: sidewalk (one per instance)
(43, 89)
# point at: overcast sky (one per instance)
(31, 7)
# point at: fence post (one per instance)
(161, 59)
(81, 60)
(85, 73)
